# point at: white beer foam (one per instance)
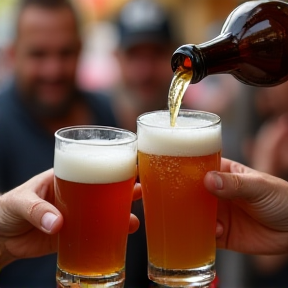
(94, 164)
(190, 136)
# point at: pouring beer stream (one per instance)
(180, 82)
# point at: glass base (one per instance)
(197, 277)
(68, 280)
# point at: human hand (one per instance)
(252, 209)
(29, 222)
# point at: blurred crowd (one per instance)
(59, 69)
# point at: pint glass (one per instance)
(95, 171)
(180, 215)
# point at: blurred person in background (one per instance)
(271, 138)
(267, 152)
(42, 97)
(147, 41)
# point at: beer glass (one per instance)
(95, 172)
(180, 214)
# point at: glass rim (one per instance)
(124, 141)
(188, 111)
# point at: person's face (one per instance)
(147, 74)
(45, 53)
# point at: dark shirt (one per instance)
(27, 149)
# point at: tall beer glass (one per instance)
(95, 171)
(180, 214)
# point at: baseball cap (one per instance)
(142, 21)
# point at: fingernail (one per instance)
(48, 221)
(218, 182)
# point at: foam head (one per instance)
(94, 161)
(195, 134)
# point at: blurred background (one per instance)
(244, 110)
(193, 22)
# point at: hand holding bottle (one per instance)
(252, 209)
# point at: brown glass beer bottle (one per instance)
(252, 46)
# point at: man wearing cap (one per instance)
(144, 54)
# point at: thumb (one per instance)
(236, 181)
(20, 213)
(26, 202)
(43, 215)
(237, 185)
(260, 195)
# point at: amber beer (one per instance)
(94, 182)
(180, 214)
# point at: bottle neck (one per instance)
(219, 55)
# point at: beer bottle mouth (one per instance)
(180, 60)
(182, 57)
(189, 58)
